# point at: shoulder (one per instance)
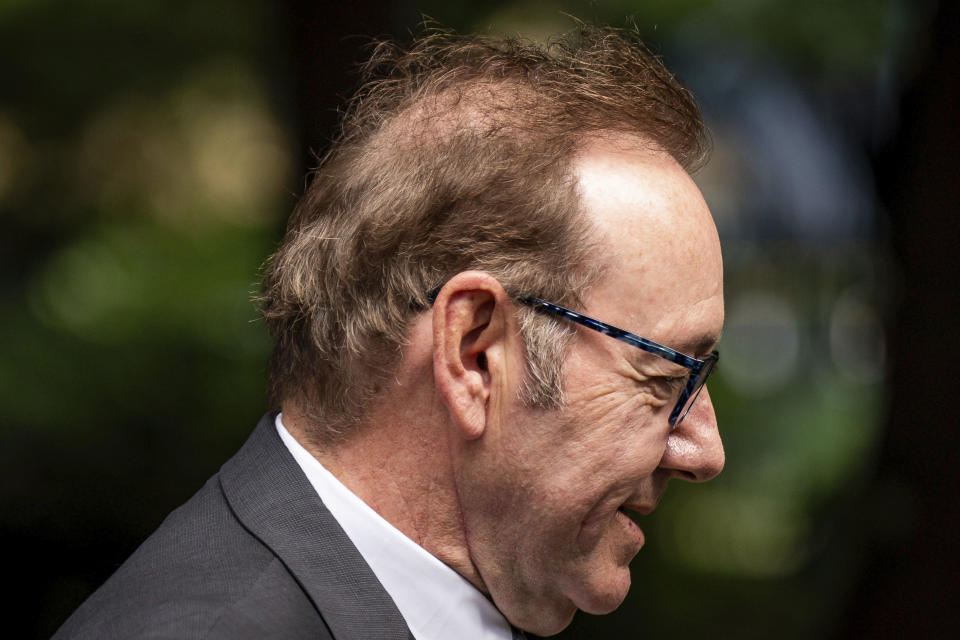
(200, 575)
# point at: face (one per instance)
(545, 494)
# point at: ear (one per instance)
(473, 346)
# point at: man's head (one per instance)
(456, 155)
(545, 494)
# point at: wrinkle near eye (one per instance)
(653, 386)
(601, 392)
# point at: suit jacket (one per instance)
(254, 554)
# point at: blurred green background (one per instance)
(150, 152)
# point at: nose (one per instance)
(694, 449)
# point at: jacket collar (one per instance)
(273, 499)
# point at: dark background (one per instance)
(150, 152)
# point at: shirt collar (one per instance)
(436, 601)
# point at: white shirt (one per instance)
(436, 601)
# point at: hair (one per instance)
(455, 154)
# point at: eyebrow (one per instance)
(698, 347)
(701, 346)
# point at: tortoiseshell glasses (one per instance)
(700, 370)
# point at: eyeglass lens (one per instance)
(690, 394)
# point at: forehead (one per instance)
(664, 272)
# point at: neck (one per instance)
(399, 462)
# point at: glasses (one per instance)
(700, 370)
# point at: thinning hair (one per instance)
(455, 154)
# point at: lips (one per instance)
(623, 516)
(639, 509)
(599, 520)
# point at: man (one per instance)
(459, 443)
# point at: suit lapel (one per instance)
(270, 495)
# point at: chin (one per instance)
(550, 622)
(605, 597)
(546, 626)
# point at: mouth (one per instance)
(627, 515)
(635, 510)
(599, 521)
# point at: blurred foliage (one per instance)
(821, 36)
(146, 168)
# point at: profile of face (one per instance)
(545, 494)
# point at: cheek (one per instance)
(620, 433)
(525, 503)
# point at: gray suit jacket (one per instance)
(254, 554)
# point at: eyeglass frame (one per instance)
(700, 369)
